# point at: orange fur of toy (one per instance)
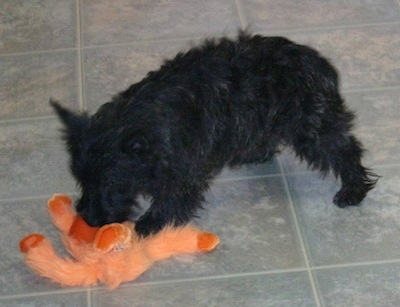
(170, 241)
(43, 259)
(64, 218)
(114, 255)
(61, 211)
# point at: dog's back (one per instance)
(235, 101)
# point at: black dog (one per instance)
(227, 102)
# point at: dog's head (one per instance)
(110, 161)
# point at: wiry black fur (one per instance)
(227, 102)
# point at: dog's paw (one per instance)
(348, 197)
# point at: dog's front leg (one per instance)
(150, 223)
(173, 210)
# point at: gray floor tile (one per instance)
(124, 21)
(369, 286)
(358, 234)
(253, 218)
(33, 160)
(50, 300)
(291, 289)
(28, 81)
(113, 69)
(377, 124)
(365, 57)
(266, 15)
(37, 25)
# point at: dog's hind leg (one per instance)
(332, 147)
(356, 179)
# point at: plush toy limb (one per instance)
(64, 217)
(207, 241)
(41, 258)
(31, 241)
(143, 253)
(61, 212)
(171, 241)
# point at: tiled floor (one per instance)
(283, 242)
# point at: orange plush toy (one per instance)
(111, 254)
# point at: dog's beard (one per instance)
(143, 203)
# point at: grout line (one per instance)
(4, 55)
(250, 177)
(44, 293)
(208, 278)
(89, 297)
(35, 197)
(143, 41)
(81, 86)
(82, 92)
(238, 5)
(204, 278)
(354, 264)
(240, 11)
(152, 283)
(292, 173)
(300, 236)
(248, 274)
(198, 37)
(26, 119)
(329, 28)
(146, 41)
(385, 165)
(370, 89)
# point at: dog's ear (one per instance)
(75, 124)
